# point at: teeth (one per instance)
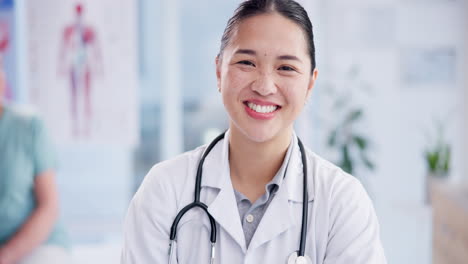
(262, 108)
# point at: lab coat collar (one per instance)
(216, 166)
(294, 177)
(277, 219)
(279, 216)
(224, 207)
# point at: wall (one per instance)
(465, 89)
(94, 180)
(408, 58)
(388, 42)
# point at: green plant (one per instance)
(347, 141)
(438, 154)
(351, 145)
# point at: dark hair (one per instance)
(288, 8)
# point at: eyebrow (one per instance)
(289, 57)
(246, 51)
(253, 52)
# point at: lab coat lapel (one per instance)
(279, 216)
(224, 210)
(277, 219)
(294, 175)
(224, 206)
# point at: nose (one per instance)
(264, 84)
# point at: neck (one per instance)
(254, 164)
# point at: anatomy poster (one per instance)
(7, 48)
(83, 69)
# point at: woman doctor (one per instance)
(252, 180)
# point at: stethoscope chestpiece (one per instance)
(295, 259)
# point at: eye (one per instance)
(286, 68)
(246, 62)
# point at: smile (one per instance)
(262, 108)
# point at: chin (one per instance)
(258, 134)
(259, 137)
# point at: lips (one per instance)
(261, 109)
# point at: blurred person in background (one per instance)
(29, 233)
(274, 200)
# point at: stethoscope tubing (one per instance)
(196, 202)
(204, 207)
(305, 201)
(200, 166)
(186, 209)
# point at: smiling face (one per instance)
(265, 77)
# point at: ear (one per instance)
(313, 77)
(218, 71)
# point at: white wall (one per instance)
(382, 38)
(94, 183)
(465, 89)
(172, 98)
(379, 38)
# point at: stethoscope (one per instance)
(297, 257)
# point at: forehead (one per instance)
(270, 32)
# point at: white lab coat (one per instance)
(342, 225)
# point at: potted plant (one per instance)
(437, 157)
(350, 145)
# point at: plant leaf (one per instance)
(346, 163)
(360, 141)
(432, 159)
(369, 164)
(332, 138)
(445, 166)
(353, 116)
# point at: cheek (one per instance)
(230, 83)
(235, 80)
(295, 91)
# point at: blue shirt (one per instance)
(24, 154)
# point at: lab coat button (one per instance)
(249, 218)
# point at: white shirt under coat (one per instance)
(342, 224)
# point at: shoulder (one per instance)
(338, 193)
(170, 176)
(172, 169)
(23, 118)
(347, 215)
(332, 182)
